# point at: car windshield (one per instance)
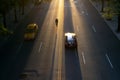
(70, 38)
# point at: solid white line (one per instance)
(109, 61)
(40, 47)
(93, 28)
(83, 58)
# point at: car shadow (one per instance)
(72, 65)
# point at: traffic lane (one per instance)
(41, 58)
(71, 58)
(38, 60)
(12, 47)
(94, 60)
(114, 56)
(97, 67)
(16, 38)
(92, 49)
(72, 65)
(104, 35)
(58, 69)
(101, 29)
(110, 45)
(19, 61)
(10, 50)
(87, 37)
(68, 24)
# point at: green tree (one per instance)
(22, 4)
(102, 5)
(117, 11)
(14, 4)
(4, 8)
(4, 31)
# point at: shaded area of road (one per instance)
(11, 58)
(72, 65)
(72, 61)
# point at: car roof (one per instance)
(31, 26)
(70, 36)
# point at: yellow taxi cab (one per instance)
(31, 31)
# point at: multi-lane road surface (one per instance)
(96, 57)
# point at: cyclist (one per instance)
(56, 21)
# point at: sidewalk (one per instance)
(11, 25)
(112, 24)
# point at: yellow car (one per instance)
(31, 31)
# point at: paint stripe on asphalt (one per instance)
(19, 48)
(93, 28)
(83, 58)
(109, 61)
(40, 47)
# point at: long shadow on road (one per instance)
(72, 65)
(13, 62)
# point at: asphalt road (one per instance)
(16, 52)
(97, 45)
(45, 58)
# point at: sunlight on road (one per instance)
(78, 24)
(59, 49)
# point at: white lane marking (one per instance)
(83, 12)
(83, 58)
(86, 13)
(40, 47)
(93, 28)
(109, 61)
(19, 48)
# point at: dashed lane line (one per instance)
(93, 28)
(109, 61)
(83, 58)
(18, 50)
(40, 47)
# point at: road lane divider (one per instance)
(20, 46)
(93, 28)
(83, 57)
(40, 47)
(109, 61)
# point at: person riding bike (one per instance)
(56, 21)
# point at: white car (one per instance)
(70, 40)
